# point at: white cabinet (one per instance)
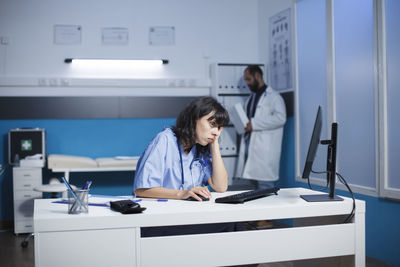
(229, 88)
(24, 180)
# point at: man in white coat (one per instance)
(260, 145)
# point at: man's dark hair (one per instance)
(185, 128)
(253, 69)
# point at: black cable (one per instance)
(351, 215)
(309, 184)
(319, 172)
(343, 181)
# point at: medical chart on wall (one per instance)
(115, 36)
(67, 34)
(162, 36)
(280, 51)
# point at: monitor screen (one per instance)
(314, 142)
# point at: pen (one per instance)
(108, 196)
(87, 185)
(152, 199)
(72, 192)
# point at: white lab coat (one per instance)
(265, 140)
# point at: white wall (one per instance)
(206, 31)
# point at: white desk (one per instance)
(106, 238)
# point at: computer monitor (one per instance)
(330, 160)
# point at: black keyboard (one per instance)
(248, 195)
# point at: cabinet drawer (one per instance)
(26, 173)
(23, 212)
(26, 184)
(26, 194)
(23, 226)
(25, 204)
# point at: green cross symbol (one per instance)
(26, 145)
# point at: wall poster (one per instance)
(280, 51)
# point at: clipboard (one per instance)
(239, 118)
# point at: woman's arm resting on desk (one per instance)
(161, 192)
(219, 179)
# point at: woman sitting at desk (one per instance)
(185, 161)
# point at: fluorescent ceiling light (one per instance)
(116, 62)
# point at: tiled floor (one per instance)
(13, 255)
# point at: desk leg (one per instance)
(359, 257)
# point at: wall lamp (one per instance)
(124, 62)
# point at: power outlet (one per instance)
(42, 81)
(53, 82)
(64, 82)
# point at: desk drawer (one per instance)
(272, 245)
(105, 247)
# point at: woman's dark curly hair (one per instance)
(185, 128)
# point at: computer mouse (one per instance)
(200, 196)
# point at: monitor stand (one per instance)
(320, 198)
(331, 170)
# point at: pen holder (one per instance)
(78, 203)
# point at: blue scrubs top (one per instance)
(160, 165)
